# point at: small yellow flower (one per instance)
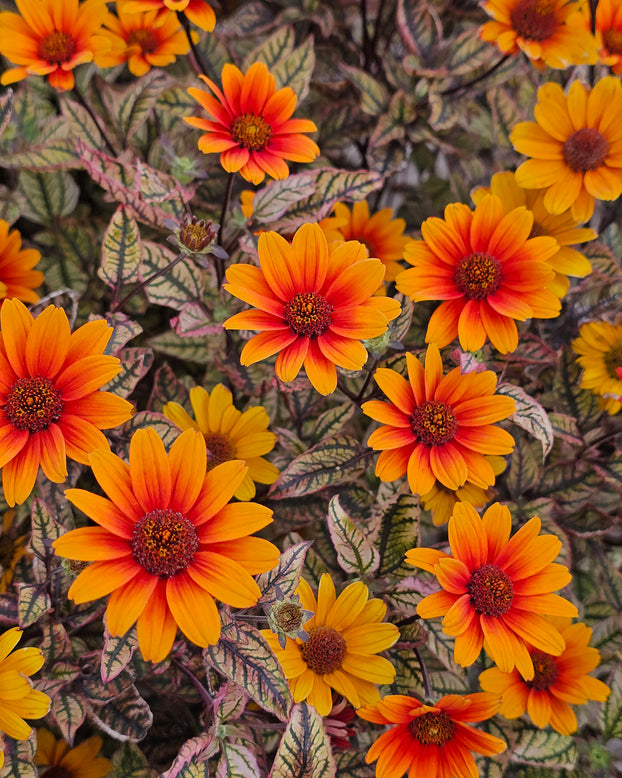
(599, 346)
(56, 759)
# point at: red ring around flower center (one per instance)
(325, 650)
(33, 403)
(252, 132)
(534, 20)
(147, 41)
(491, 591)
(57, 47)
(432, 728)
(545, 671)
(478, 275)
(308, 314)
(221, 449)
(586, 149)
(164, 542)
(434, 423)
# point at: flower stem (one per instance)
(139, 287)
(220, 263)
(91, 113)
(201, 64)
(203, 693)
(425, 675)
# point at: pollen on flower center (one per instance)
(545, 671)
(586, 149)
(613, 359)
(325, 650)
(491, 591)
(143, 38)
(434, 423)
(164, 542)
(432, 728)
(57, 47)
(308, 314)
(613, 41)
(221, 449)
(252, 132)
(33, 404)
(534, 20)
(478, 275)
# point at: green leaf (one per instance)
(355, 554)
(19, 758)
(73, 251)
(523, 473)
(468, 52)
(57, 152)
(48, 195)
(81, 125)
(273, 200)
(6, 108)
(544, 748)
(530, 415)
(126, 717)
(177, 285)
(45, 530)
(187, 349)
(352, 764)
(399, 532)
(611, 711)
(236, 761)
(135, 363)
(374, 96)
(117, 653)
(69, 711)
(442, 646)
(130, 762)
(331, 422)
(295, 70)
(229, 703)
(570, 399)
(121, 250)
(191, 761)
(274, 49)
(12, 204)
(33, 601)
(565, 427)
(304, 749)
(285, 575)
(133, 106)
(419, 25)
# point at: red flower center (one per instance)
(432, 728)
(613, 41)
(325, 650)
(145, 39)
(252, 132)
(491, 590)
(534, 20)
(33, 404)
(478, 275)
(220, 448)
(434, 423)
(308, 314)
(585, 149)
(545, 671)
(57, 47)
(613, 360)
(164, 542)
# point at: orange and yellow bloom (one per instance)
(431, 741)
(168, 541)
(251, 125)
(17, 277)
(609, 33)
(199, 12)
(12, 549)
(496, 589)
(56, 758)
(599, 346)
(313, 303)
(438, 428)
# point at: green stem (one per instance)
(202, 65)
(203, 693)
(143, 284)
(425, 676)
(220, 263)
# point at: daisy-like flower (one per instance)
(51, 406)
(431, 741)
(381, 234)
(575, 146)
(141, 40)
(488, 271)
(609, 33)
(438, 428)
(251, 125)
(199, 12)
(345, 636)
(50, 38)
(56, 758)
(230, 434)
(18, 699)
(566, 261)
(558, 682)
(168, 542)
(313, 303)
(549, 32)
(12, 549)
(496, 589)
(17, 277)
(599, 346)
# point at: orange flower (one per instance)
(168, 542)
(199, 12)
(438, 427)
(609, 33)
(314, 304)
(558, 681)
(50, 404)
(496, 589)
(251, 125)
(486, 268)
(49, 38)
(57, 759)
(575, 145)
(430, 741)
(17, 278)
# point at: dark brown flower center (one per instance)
(432, 728)
(56, 771)
(586, 149)
(534, 20)
(613, 360)
(196, 235)
(325, 650)
(434, 423)
(164, 542)
(33, 404)
(545, 671)
(478, 275)
(221, 449)
(308, 314)
(252, 132)
(288, 616)
(491, 591)
(143, 38)
(57, 47)
(613, 41)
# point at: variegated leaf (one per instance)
(355, 554)
(304, 749)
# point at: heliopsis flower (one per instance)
(18, 700)
(488, 271)
(609, 33)
(345, 636)
(50, 38)
(575, 146)
(550, 33)
(17, 277)
(496, 589)
(199, 12)
(51, 406)
(558, 681)
(600, 348)
(438, 428)
(250, 124)
(56, 758)
(168, 542)
(315, 304)
(431, 741)
(230, 434)
(566, 261)
(381, 234)
(141, 41)
(12, 549)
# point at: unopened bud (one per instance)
(196, 235)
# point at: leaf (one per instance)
(121, 250)
(570, 399)
(611, 711)
(236, 761)
(468, 52)
(45, 530)
(80, 122)
(33, 601)
(72, 248)
(355, 554)
(131, 108)
(19, 758)
(541, 747)
(187, 349)
(419, 25)
(48, 195)
(195, 321)
(165, 428)
(11, 204)
(6, 108)
(331, 422)
(117, 653)
(191, 761)
(135, 362)
(229, 703)
(565, 427)
(286, 574)
(523, 473)
(126, 717)
(530, 415)
(399, 532)
(69, 711)
(374, 96)
(273, 200)
(176, 285)
(274, 49)
(304, 750)
(295, 71)
(130, 762)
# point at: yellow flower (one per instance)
(58, 760)
(17, 277)
(600, 348)
(12, 549)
